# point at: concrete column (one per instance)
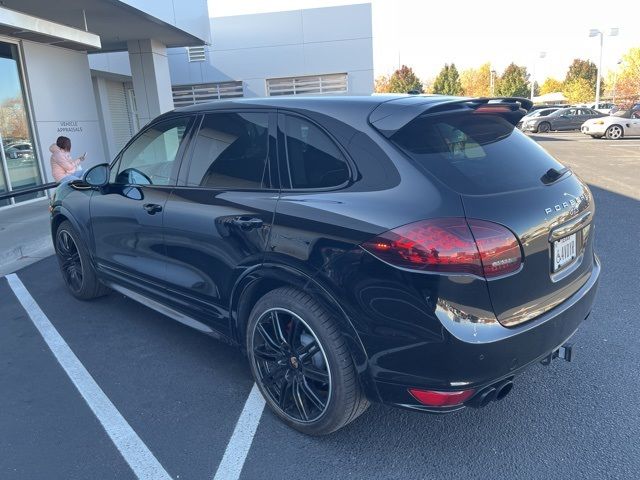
(151, 79)
(104, 117)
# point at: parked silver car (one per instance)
(623, 123)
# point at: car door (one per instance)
(312, 216)
(585, 114)
(127, 214)
(567, 119)
(633, 124)
(218, 219)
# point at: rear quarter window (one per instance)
(475, 154)
(314, 160)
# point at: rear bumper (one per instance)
(475, 364)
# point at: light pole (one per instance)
(533, 74)
(594, 32)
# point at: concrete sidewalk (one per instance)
(24, 235)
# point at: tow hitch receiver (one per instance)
(565, 352)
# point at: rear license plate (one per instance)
(564, 252)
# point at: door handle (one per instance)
(152, 208)
(247, 223)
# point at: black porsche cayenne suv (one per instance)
(417, 251)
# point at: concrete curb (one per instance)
(31, 248)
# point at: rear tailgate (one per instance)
(545, 220)
(506, 178)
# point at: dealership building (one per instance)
(98, 70)
(46, 84)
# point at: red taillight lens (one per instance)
(499, 248)
(448, 245)
(492, 108)
(433, 398)
(439, 245)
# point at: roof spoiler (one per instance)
(391, 116)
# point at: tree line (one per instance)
(578, 86)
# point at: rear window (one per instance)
(475, 154)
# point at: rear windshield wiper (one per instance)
(553, 175)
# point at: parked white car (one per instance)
(603, 107)
(623, 123)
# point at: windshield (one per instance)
(623, 114)
(545, 112)
(475, 154)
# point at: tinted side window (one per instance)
(314, 160)
(150, 159)
(231, 151)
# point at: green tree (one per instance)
(550, 85)
(448, 81)
(586, 70)
(514, 82)
(578, 90)
(403, 80)
(476, 82)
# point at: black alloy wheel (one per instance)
(75, 264)
(291, 365)
(70, 261)
(302, 363)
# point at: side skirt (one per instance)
(164, 310)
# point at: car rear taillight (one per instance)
(499, 248)
(433, 398)
(449, 245)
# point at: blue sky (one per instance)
(425, 35)
(9, 84)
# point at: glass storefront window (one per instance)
(20, 168)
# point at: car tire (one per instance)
(301, 363)
(544, 127)
(614, 132)
(77, 270)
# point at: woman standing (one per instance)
(63, 167)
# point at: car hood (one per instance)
(606, 120)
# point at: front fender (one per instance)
(74, 206)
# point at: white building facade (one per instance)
(47, 88)
(312, 51)
(303, 52)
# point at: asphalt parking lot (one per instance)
(183, 395)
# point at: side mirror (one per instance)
(98, 175)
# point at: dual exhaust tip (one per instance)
(492, 393)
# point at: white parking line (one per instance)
(238, 447)
(143, 463)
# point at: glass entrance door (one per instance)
(20, 168)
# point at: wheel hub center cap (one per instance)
(294, 362)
